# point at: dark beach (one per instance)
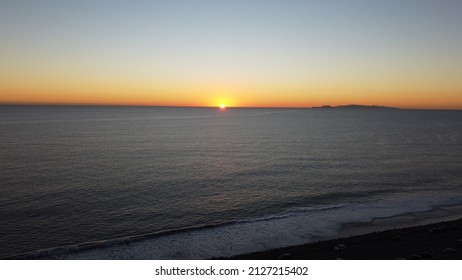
(435, 241)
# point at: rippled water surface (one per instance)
(235, 179)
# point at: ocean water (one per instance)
(193, 183)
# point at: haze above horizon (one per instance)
(405, 54)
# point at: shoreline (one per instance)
(378, 231)
(433, 234)
(405, 220)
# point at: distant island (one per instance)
(354, 106)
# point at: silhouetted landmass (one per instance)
(355, 106)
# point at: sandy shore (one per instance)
(435, 234)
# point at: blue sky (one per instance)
(234, 48)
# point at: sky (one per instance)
(252, 53)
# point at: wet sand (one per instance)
(436, 234)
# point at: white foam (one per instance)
(293, 227)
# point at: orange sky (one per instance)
(273, 95)
(248, 55)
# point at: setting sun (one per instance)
(277, 55)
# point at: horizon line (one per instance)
(213, 106)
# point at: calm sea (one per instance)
(172, 183)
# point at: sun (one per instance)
(222, 106)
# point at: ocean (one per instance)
(81, 182)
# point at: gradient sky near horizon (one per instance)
(289, 53)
